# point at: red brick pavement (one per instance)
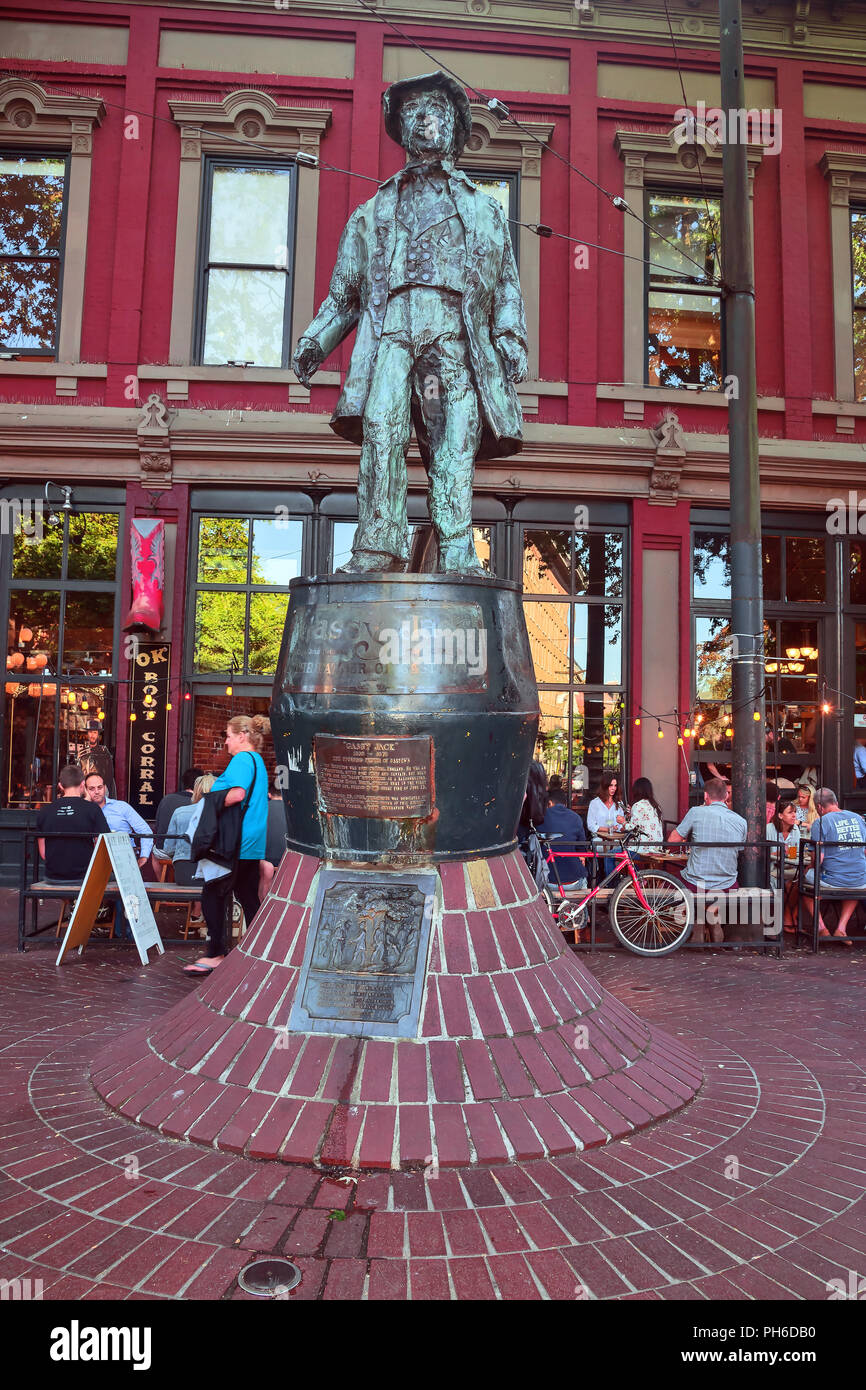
(752, 1191)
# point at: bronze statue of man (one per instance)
(426, 272)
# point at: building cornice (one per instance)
(823, 30)
(261, 448)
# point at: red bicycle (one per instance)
(650, 911)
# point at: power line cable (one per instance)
(500, 109)
(307, 160)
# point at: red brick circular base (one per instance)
(520, 1053)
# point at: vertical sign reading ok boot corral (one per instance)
(148, 696)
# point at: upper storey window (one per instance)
(32, 205)
(245, 284)
(683, 305)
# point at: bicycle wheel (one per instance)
(551, 900)
(661, 927)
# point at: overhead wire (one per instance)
(499, 108)
(307, 160)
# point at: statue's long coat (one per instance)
(492, 308)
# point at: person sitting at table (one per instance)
(178, 841)
(772, 800)
(715, 834)
(67, 861)
(121, 817)
(559, 820)
(606, 812)
(166, 809)
(842, 864)
(807, 811)
(783, 830)
(646, 815)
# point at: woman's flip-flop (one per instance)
(198, 970)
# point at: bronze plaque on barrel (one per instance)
(366, 954)
(379, 777)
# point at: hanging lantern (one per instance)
(15, 661)
(11, 688)
(25, 635)
(33, 691)
(49, 690)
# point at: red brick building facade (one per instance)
(158, 234)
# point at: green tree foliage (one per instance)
(221, 616)
(93, 540)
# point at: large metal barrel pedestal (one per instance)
(405, 710)
(385, 1010)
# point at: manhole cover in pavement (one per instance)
(269, 1278)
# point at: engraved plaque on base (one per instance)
(382, 778)
(366, 956)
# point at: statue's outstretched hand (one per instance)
(513, 359)
(307, 359)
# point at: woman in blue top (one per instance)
(244, 739)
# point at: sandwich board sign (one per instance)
(113, 858)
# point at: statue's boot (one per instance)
(373, 562)
(458, 556)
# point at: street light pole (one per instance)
(747, 608)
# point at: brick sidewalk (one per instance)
(751, 1192)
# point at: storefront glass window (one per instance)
(548, 626)
(223, 550)
(220, 622)
(59, 650)
(35, 556)
(597, 643)
(792, 664)
(712, 658)
(805, 569)
(771, 549)
(577, 643)
(88, 634)
(857, 571)
(92, 546)
(276, 556)
(267, 620)
(804, 579)
(238, 621)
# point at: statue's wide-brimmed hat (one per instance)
(396, 94)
